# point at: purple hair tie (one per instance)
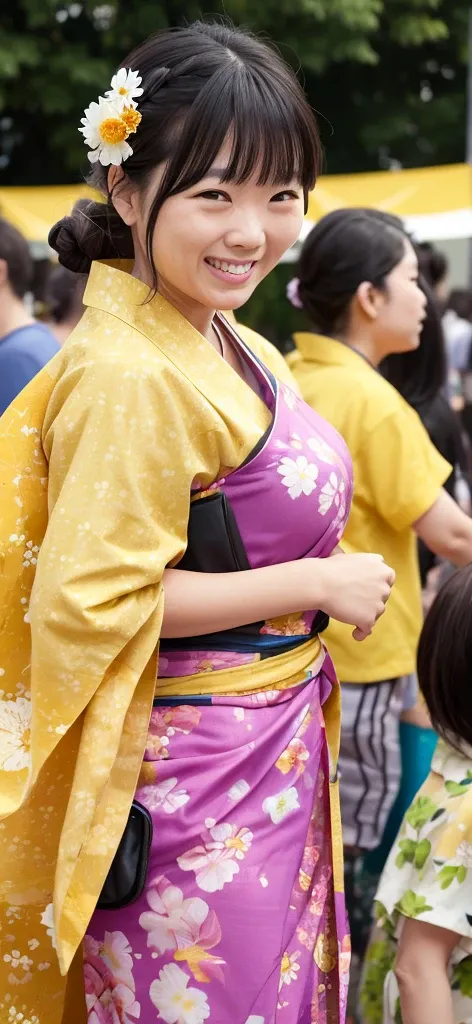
(293, 293)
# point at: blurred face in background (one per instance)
(393, 315)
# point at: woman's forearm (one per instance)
(351, 588)
(196, 603)
(447, 531)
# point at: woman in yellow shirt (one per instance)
(358, 284)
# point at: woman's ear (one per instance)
(123, 195)
(369, 300)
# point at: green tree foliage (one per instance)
(386, 76)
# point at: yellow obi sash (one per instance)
(277, 673)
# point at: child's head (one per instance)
(445, 659)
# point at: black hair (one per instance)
(445, 659)
(460, 301)
(433, 263)
(203, 85)
(63, 294)
(420, 374)
(346, 248)
(14, 250)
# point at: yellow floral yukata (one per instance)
(102, 448)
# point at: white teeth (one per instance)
(230, 268)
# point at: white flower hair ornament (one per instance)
(108, 124)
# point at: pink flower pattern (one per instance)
(109, 983)
(215, 860)
(187, 927)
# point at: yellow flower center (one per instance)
(113, 130)
(132, 118)
(235, 844)
(285, 965)
(122, 91)
(281, 804)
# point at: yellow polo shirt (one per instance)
(398, 475)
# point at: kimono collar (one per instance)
(317, 348)
(112, 289)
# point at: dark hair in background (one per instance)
(433, 263)
(202, 85)
(445, 659)
(460, 301)
(420, 374)
(346, 248)
(63, 294)
(15, 251)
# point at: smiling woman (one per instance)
(175, 761)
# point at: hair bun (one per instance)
(93, 231)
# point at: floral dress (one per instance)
(428, 876)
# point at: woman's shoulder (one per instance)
(103, 338)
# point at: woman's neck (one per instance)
(364, 345)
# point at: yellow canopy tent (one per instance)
(34, 210)
(436, 202)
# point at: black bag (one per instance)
(215, 545)
(127, 875)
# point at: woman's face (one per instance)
(401, 307)
(215, 242)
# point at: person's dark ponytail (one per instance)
(93, 231)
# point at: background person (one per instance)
(25, 345)
(419, 959)
(63, 299)
(358, 285)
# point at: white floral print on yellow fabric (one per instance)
(16, 1016)
(175, 1001)
(15, 734)
(215, 861)
(47, 919)
(278, 807)
(299, 475)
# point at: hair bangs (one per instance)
(269, 137)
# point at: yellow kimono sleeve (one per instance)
(118, 492)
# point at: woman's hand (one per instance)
(356, 590)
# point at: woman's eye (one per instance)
(214, 195)
(284, 197)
